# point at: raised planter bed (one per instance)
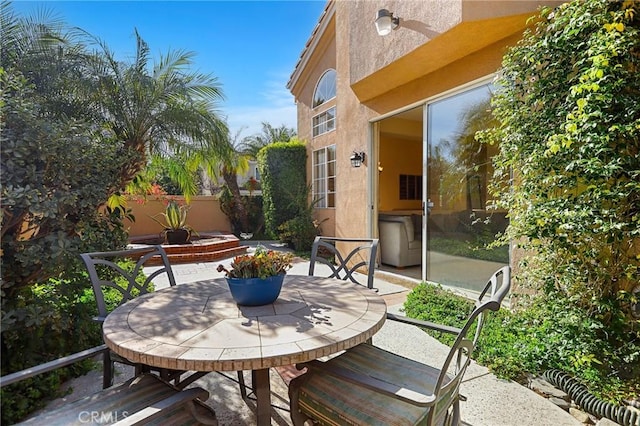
(206, 247)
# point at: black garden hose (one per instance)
(589, 402)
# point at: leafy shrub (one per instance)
(283, 172)
(432, 303)
(253, 207)
(54, 177)
(52, 320)
(551, 333)
(299, 233)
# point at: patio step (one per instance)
(207, 256)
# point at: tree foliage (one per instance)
(283, 170)
(238, 209)
(79, 126)
(251, 145)
(55, 176)
(569, 130)
(160, 108)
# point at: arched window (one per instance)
(326, 88)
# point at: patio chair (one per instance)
(103, 271)
(145, 399)
(327, 250)
(367, 385)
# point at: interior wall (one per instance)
(398, 156)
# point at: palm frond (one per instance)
(172, 63)
(142, 54)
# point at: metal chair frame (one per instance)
(341, 269)
(166, 403)
(444, 403)
(108, 260)
(141, 256)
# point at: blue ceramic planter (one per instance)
(255, 291)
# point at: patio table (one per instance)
(198, 327)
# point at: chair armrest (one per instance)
(420, 323)
(51, 365)
(394, 391)
(159, 408)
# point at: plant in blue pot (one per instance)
(257, 279)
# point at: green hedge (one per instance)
(283, 176)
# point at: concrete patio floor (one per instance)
(490, 401)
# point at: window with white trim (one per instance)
(324, 177)
(324, 122)
(325, 89)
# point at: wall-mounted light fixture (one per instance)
(385, 22)
(357, 158)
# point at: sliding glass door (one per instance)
(458, 170)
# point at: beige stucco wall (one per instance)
(420, 21)
(431, 35)
(323, 60)
(439, 46)
(352, 135)
(204, 215)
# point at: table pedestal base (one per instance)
(262, 389)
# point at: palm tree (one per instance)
(161, 109)
(237, 163)
(234, 164)
(252, 144)
(50, 57)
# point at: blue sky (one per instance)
(250, 46)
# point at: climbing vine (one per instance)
(568, 169)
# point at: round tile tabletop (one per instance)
(198, 327)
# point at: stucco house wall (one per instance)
(324, 58)
(440, 45)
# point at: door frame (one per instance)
(373, 145)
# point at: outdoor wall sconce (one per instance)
(385, 22)
(357, 158)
